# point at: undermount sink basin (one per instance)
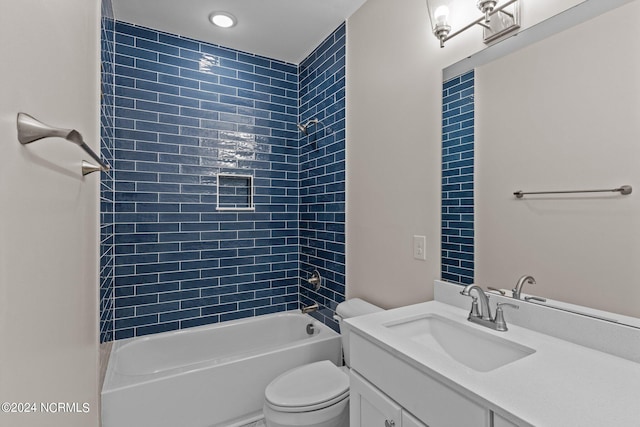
(467, 345)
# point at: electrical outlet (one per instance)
(420, 247)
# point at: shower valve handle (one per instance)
(315, 280)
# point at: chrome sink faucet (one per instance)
(521, 281)
(483, 316)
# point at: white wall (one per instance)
(394, 87)
(563, 114)
(48, 211)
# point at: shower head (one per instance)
(304, 128)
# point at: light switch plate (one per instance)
(420, 247)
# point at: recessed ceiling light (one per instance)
(223, 19)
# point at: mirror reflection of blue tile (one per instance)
(457, 179)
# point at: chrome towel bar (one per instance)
(624, 190)
(31, 129)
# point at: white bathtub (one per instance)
(208, 376)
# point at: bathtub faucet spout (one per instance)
(309, 309)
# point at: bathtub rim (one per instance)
(111, 376)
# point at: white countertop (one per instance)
(562, 384)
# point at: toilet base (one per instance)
(336, 415)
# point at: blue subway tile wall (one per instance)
(322, 175)
(457, 179)
(184, 112)
(107, 106)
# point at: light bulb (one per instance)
(441, 15)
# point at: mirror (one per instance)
(556, 108)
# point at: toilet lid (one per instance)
(315, 385)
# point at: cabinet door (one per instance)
(409, 420)
(369, 407)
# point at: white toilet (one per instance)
(317, 394)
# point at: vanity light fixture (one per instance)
(486, 7)
(497, 20)
(223, 19)
(441, 29)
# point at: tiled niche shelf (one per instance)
(234, 192)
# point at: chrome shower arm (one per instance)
(31, 129)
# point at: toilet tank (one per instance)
(351, 308)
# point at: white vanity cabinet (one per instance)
(372, 408)
(430, 400)
(385, 388)
(425, 365)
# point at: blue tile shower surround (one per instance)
(107, 106)
(322, 175)
(457, 179)
(185, 111)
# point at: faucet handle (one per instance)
(501, 325)
(315, 280)
(475, 312)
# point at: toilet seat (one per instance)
(308, 388)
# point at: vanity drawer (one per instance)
(429, 400)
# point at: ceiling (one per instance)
(288, 30)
